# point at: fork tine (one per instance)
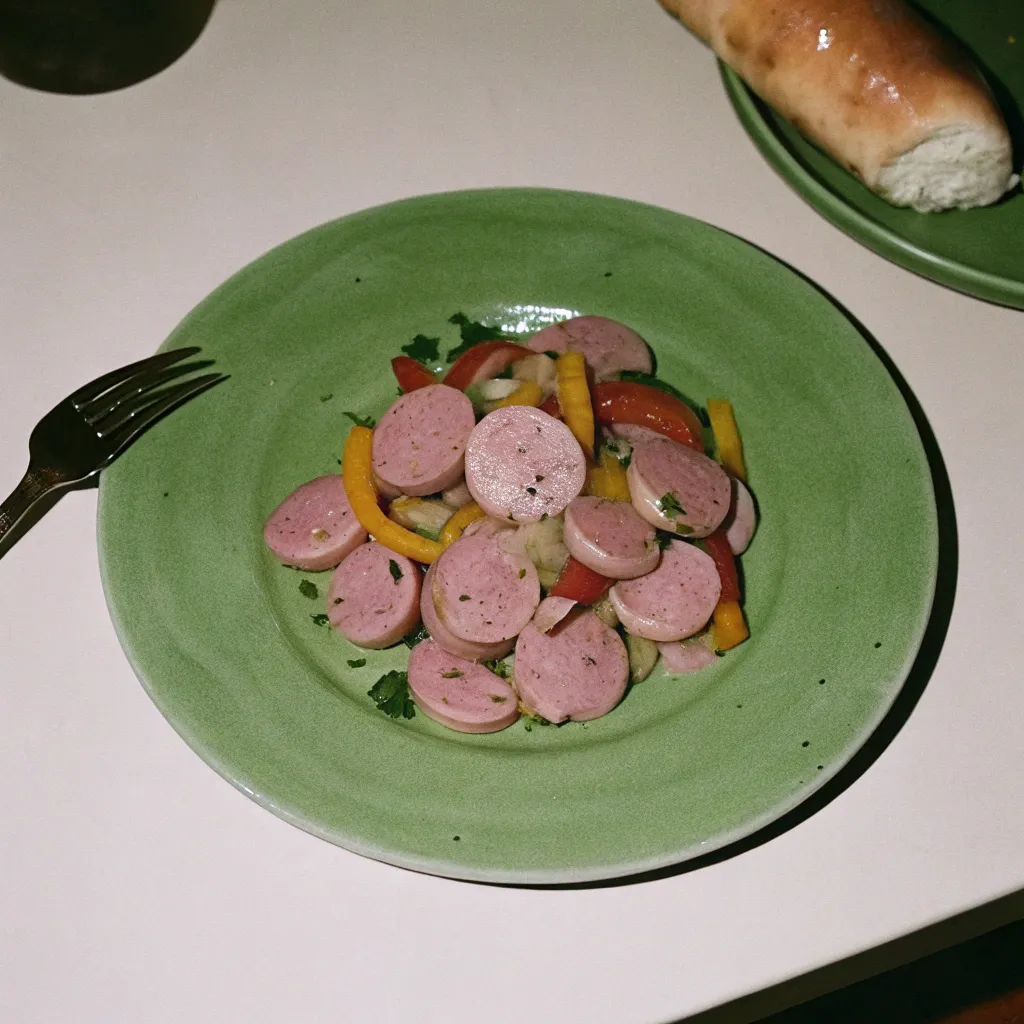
(140, 404)
(108, 403)
(96, 387)
(159, 407)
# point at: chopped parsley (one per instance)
(668, 504)
(395, 569)
(664, 539)
(497, 698)
(307, 588)
(472, 333)
(416, 636)
(423, 349)
(327, 397)
(454, 674)
(684, 529)
(357, 663)
(463, 597)
(320, 620)
(391, 695)
(499, 668)
(552, 355)
(522, 574)
(361, 421)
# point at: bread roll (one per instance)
(871, 83)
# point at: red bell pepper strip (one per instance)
(485, 360)
(551, 407)
(411, 374)
(717, 546)
(581, 584)
(618, 401)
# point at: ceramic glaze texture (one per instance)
(975, 251)
(839, 578)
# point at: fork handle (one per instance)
(39, 490)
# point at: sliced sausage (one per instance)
(676, 488)
(610, 538)
(374, 596)
(420, 442)
(446, 639)
(481, 591)
(314, 528)
(579, 673)
(675, 600)
(457, 495)
(551, 611)
(608, 346)
(523, 465)
(741, 521)
(688, 655)
(458, 693)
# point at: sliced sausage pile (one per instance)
(586, 570)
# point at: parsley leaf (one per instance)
(664, 539)
(416, 636)
(361, 421)
(472, 333)
(320, 620)
(668, 504)
(307, 588)
(499, 668)
(391, 695)
(423, 349)
(327, 397)
(395, 569)
(454, 674)
(357, 663)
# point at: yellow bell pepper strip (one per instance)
(453, 528)
(574, 399)
(607, 479)
(529, 392)
(728, 626)
(357, 476)
(727, 437)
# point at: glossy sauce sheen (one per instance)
(420, 443)
(607, 346)
(699, 485)
(673, 602)
(481, 591)
(458, 693)
(366, 604)
(579, 673)
(610, 538)
(314, 528)
(523, 465)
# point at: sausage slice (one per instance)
(579, 673)
(374, 596)
(481, 591)
(678, 489)
(420, 442)
(523, 465)
(674, 601)
(459, 693)
(446, 639)
(610, 538)
(314, 528)
(608, 346)
(741, 521)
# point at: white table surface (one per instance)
(136, 885)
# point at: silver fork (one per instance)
(83, 435)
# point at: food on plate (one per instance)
(314, 528)
(894, 100)
(553, 500)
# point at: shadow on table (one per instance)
(973, 960)
(920, 672)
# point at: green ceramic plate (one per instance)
(974, 251)
(839, 577)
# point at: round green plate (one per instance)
(979, 252)
(839, 578)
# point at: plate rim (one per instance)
(606, 871)
(882, 240)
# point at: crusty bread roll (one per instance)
(871, 83)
